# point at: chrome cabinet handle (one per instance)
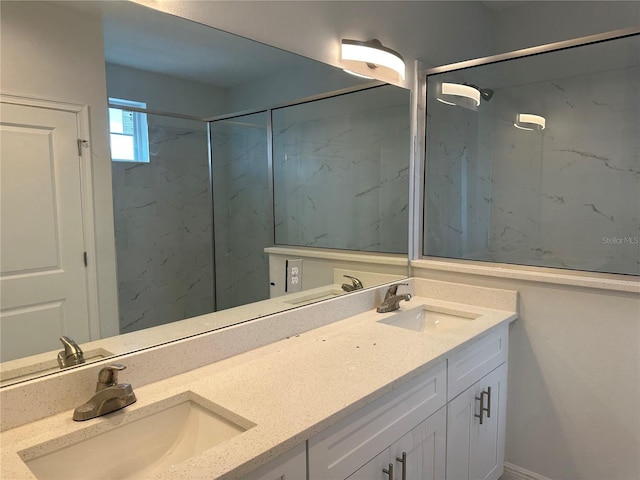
(403, 461)
(484, 409)
(389, 471)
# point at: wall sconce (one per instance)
(374, 55)
(357, 74)
(458, 94)
(529, 121)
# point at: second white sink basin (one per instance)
(430, 319)
(140, 448)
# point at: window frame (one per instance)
(140, 129)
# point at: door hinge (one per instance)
(82, 143)
(86, 259)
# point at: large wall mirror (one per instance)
(231, 161)
(535, 160)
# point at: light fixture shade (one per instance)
(459, 90)
(529, 121)
(356, 74)
(374, 54)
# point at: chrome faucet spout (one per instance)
(109, 397)
(356, 284)
(392, 299)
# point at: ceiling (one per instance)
(139, 37)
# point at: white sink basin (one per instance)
(140, 448)
(430, 319)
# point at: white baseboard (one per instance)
(514, 472)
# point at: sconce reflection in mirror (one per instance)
(372, 55)
(356, 74)
(461, 95)
(529, 121)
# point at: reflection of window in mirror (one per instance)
(128, 132)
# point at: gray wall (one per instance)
(38, 61)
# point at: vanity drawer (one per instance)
(472, 363)
(344, 447)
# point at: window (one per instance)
(128, 131)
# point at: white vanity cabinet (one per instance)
(411, 419)
(288, 466)
(418, 455)
(476, 416)
(447, 423)
(475, 435)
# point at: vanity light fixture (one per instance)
(529, 121)
(350, 72)
(459, 90)
(373, 54)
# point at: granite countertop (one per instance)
(290, 389)
(34, 365)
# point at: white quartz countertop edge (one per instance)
(291, 389)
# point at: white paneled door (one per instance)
(43, 286)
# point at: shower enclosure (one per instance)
(162, 216)
(193, 222)
(563, 193)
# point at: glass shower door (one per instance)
(162, 211)
(242, 209)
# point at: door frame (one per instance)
(86, 188)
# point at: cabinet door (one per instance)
(424, 448)
(476, 451)
(289, 466)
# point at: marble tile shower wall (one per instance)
(568, 196)
(242, 210)
(162, 215)
(457, 198)
(341, 172)
(563, 197)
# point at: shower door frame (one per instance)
(417, 185)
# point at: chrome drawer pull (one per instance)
(484, 409)
(403, 461)
(389, 471)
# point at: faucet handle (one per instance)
(108, 376)
(72, 353)
(355, 282)
(393, 289)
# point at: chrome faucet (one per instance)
(109, 397)
(392, 299)
(71, 355)
(356, 284)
